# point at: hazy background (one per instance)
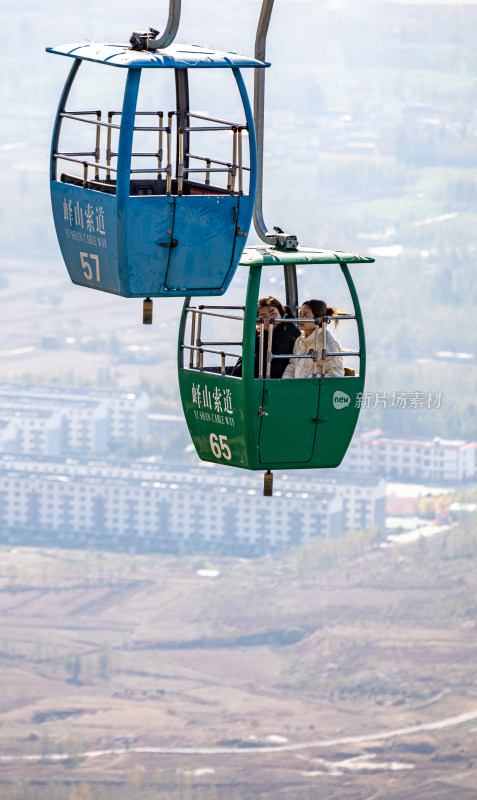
(371, 146)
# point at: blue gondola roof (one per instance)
(263, 256)
(176, 56)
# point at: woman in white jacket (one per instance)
(306, 343)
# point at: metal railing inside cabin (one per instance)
(234, 169)
(158, 154)
(316, 354)
(199, 346)
(78, 157)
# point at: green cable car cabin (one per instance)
(252, 420)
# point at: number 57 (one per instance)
(86, 266)
(219, 446)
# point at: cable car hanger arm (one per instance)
(280, 239)
(148, 41)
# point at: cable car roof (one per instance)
(270, 256)
(176, 56)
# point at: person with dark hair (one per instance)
(308, 342)
(284, 336)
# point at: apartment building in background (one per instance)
(142, 506)
(54, 420)
(434, 460)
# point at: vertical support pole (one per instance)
(258, 114)
(160, 115)
(240, 162)
(250, 127)
(180, 163)
(198, 342)
(233, 171)
(359, 319)
(192, 338)
(323, 351)
(168, 156)
(260, 352)
(183, 135)
(123, 182)
(61, 108)
(182, 333)
(98, 145)
(291, 288)
(108, 145)
(270, 351)
(253, 394)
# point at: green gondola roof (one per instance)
(264, 255)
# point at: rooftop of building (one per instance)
(30, 402)
(24, 413)
(376, 436)
(303, 483)
(29, 390)
(123, 484)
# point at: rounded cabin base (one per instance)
(272, 424)
(171, 246)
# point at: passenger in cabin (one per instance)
(284, 336)
(308, 342)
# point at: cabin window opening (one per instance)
(201, 150)
(213, 338)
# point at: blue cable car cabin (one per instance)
(152, 224)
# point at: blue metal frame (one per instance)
(61, 107)
(123, 176)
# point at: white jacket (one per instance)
(303, 367)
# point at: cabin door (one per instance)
(288, 431)
(203, 242)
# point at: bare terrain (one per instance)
(278, 678)
(81, 324)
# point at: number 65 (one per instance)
(219, 446)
